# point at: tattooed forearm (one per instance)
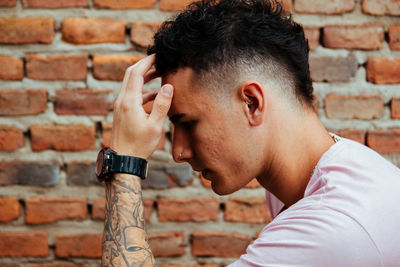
(125, 239)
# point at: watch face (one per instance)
(99, 162)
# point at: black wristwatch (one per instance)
(108, 163)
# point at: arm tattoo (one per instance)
(125, 239)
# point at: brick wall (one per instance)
(61, 66)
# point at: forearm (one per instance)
(125, 239)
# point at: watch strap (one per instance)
(131, 165)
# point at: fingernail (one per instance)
(167, 90)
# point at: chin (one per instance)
(222, 189)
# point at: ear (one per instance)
(253, 101)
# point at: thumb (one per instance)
(162, 103)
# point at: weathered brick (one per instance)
(11, 68)
(29, 173)
(219, 244)
(363, 37)
(383, 70)
(394, 37)
(363, 107)
(9, 208)
(82, 173)
(57, 265)
(63, 137)
(333, 69)
(93, 30)
(11, 138)
(8, 3)
(83, 102)
(48, 210)
(161, 176)
(173, 5)
(112, 67)
(78, 245)
(251, 210)
(353, 134)
(72, 67)
(142, 32)
(125, 4)
(381, 7)
(26, 30)
(197, 265)
(183, 210)
(167, 244)
(312, 35)
(395, 107)
(27, 244)
(17, 103)
(54, 4)
(384, 141)
(324, 7)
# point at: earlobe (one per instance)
(252, 97)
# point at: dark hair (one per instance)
(216, 33)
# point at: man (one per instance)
(236, 86)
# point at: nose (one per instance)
(181, 148)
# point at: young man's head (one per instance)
(231, 62)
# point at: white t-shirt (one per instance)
(349, 216)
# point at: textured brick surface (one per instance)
(142, 32)
(93, 30)
(11, 68)
(82, 173)
(199, 265)
(173, 5)
(395, 108)
(63, 137)
(17, 103)
(29, 173)
(11, 138)
(324, 7)
(54, 4)
(78, 245)
(363, 37)
(384, 141)
(26, 244)
(72, 67)
(251, 210)
(167, 244)
(125, 4)
(312, 34)
(9, 208)
(353, 134)
(112, 67)
(394, 37)
(219, 244)
(333, 69)
(161, 176)
(383, 70)
(364, 107)
(26, 30)
(47, 210)
(8, 3)
(381, 7)
(83, 102)
(194, 209)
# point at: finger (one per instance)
(162, 104)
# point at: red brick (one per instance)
(381, 7)
(395, 108)
(173, 5)
(78, 245)
(83, 102)
(183, 210)
(63, 137)
(332, 69)
(394, 37)
(324, 7)
(125, 4)
(54, 4)
(9, 208)
(219, 244)
(8, 3)
(11, 68)
(47, 210)
(93, 30)
(199, 265)
(57, 265)
(363, 37)
(384, 141)
(73, 67)
(312, 35)
(167, 244)
(82, 173)
(363, 107)
(17, 103)
(353, 134)
(142, 32)
(383, 70)
(251, 210)
(26, 30)
(27, 244)
(112, 67)
(11, 138)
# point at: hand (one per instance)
(134, 132)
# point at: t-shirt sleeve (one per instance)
(311, 237)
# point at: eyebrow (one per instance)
(177, 117)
